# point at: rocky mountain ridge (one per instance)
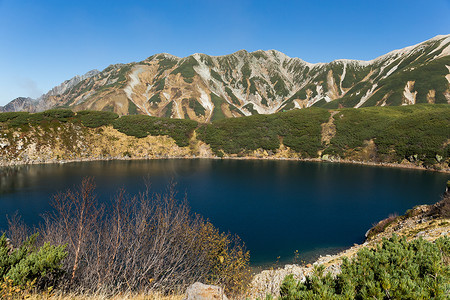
(44, 102)
(206, 88)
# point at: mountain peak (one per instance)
(207, 88)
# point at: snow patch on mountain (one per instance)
(147, 91)
(448, 75)
(343, 76)
(409, 95)
(204, 100)
(392, 70)
(366, 95)
(203, 71)
(134, 81)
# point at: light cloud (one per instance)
(30, 88)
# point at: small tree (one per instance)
(76, 214)
(140, 243)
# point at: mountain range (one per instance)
(206, 88)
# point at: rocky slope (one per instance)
(48, 100)
(413, 137)
(72, 142)
(206, 88)
(20, 104)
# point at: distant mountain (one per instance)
(20, 104)
(45, 101)
(206, 88)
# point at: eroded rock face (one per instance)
(200, 291)
(205, 88)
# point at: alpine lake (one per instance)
(276, 207)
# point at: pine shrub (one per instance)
(94, 119)
(29, 265)
(397, 269)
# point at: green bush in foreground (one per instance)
(395, 270)
(28, 264)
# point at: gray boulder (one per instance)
(200, 291)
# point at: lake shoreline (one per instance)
(249, 158)
(418, 224)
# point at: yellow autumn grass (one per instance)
(153, 296)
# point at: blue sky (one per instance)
(43, 43)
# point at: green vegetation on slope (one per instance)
(94, 119)
(196, 106)
(234, 99)
(141, 126)
(132, 108)
(155, 99)
(186, 68)
(19, 119)
(217, 111)
(300, 130)
(418, 132)
(396, 270)
(133, 125)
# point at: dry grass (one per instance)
(152, 296)
(139, 244)
(381, 226)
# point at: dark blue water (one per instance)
(276, 207)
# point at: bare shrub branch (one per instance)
(142, 243)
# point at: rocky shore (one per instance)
(419, 222)
(72, 143)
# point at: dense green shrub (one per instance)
(299, 129)
(61, 115)
(381, 226)
(18, 119)
(416, 132)
(15, 119)
(397, 269)
(28, 263)
(6, 116)
(94, 119)
(186, 67)
(141, 126)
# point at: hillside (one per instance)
(408, 136)
(207, 88)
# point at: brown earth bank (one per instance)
(74, 143)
